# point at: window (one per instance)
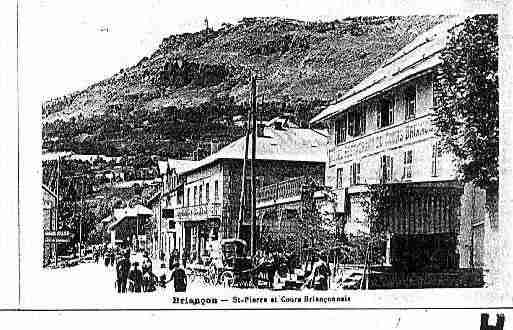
(188, 200)
(436, 153)
(354, 175)
(363, 119)
(200, 194)
(408, 161)
(387, 168)
(351, 123)
(410, 95)
(216, 191)
(385, 113)
(195, 201)
(207, 192)
(340, 129)
(340, 177)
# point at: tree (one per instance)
(375, 202)
(466, 94)
(314, 226)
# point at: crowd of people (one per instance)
(138, 275)
(135, 276)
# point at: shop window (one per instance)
(436, 154)
(385, 113)
(387, 168)
(340, 129)
(207, 192)
(354, 174)
(216, 191)
(340, 177)
(407, 165)
(410, 96)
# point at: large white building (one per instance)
(380, 132)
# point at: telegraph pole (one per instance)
(253, 157)
(57, 207)
(81, 218)
(242, 201)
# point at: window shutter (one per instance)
(381, 169)
(391, 111)
(364, 119)
(378, 117)
(351, 171)
(391, 168)
(405, 155)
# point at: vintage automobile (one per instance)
(230, 264)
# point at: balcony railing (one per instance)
(281, 190)
(198, 212)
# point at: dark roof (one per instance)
(291, 144)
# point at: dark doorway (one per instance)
(424, 253)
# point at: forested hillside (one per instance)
(187, 92)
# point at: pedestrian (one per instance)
(135, 278)
(321, 273)
(146, 263)
(106, 258)
(173, 257)
(122, 270)
(112, 258)
(179, 278)
(162, 275)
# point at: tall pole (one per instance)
(471, 261)
(81, 218)
(242, 200)
(57, 207)
(253, 157)
(160, 244)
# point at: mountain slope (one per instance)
(193, 79)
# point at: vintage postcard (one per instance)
(296, 155)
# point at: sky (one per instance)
(77, 43)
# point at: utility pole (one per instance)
(242, 201)
(81, 219)
(57, 207)
(472, 220)
(253, 157)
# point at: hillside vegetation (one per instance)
(186, 93)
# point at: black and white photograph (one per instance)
(283, 155)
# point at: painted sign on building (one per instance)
(414, 131)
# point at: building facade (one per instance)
(381, 133)
(208, 200)
(49, 224)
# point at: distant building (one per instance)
(170, 198)
(127, 226)
(49, 223)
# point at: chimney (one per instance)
(214, 147)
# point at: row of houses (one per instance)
(379, 133)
